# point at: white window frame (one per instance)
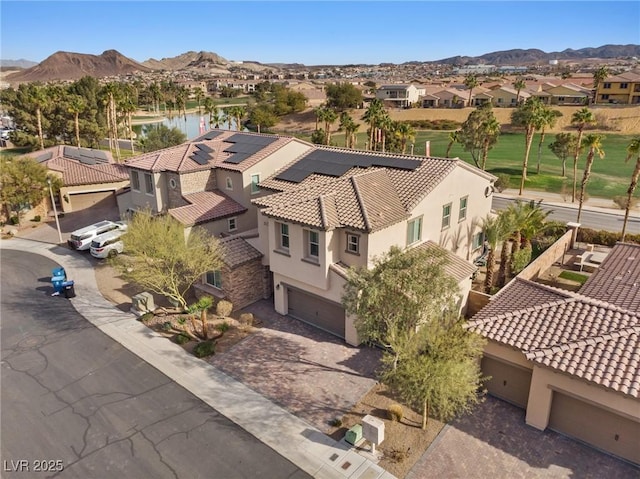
(232, 223)
(480, 240)
(254, 184)
(462, 212)
(229, 183)
(149, 184)
(283, 232)
(353, 243)
(135, 180)
(446, 218)
(309, 234)
(217, 279)
(413, 236)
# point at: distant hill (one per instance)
(72, 66)
(532, 55)
(186, 60)
(22, 63)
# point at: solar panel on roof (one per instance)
(201, 160)
(237, 158)
(204, 147)
(251, 139)
(210, 135)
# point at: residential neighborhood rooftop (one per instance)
(206, 206)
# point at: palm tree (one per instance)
(228, 115)
(594, 143)
(527, 116)
(454, 137)
(199, 94)
(371, 116)
(519, 85)
(386, 125)
(40, 101)
(111, 93)
(346, 124)
(599, 75)
(406, 133)
(77, 104)
(128, 107)
(525, 219)
(548, 119)
(330, 116)
(239, 113)
(505, 253)
(632, 150)
(471, 81)
(494, 229)
(580, 119)
(209, 109)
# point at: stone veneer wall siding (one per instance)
(174, 194)
(197, 181)
(245, 284)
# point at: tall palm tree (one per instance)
(594, 143)
(406, 133)
(598, 76)
(495, 230)
(228, 115)
(128, 108)
(199, 94)
(580, 119)
(239, 113)
(519, 85)
(371, 116)
(346, 124)
(330, 116)
(527, 116)
(209, 109)
(632, 150)
(40, 101)
(526, 218)
(505, 252)
(454, 137)
(76, 105)
(471, 82)
(548, 119)
(111, 93)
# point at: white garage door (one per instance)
(81, 201)
(316, 311)
(508, 382)
(603, 429)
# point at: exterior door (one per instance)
(508, 382)
(316, 311)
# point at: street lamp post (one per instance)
(55, 210)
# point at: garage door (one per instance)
(81, 201)
(508, 382)
(316, 311)
(596, 426)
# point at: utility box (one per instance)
(354, 435)
(373, 429)
(142, 303)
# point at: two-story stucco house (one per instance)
(401, 96)
(333, 209)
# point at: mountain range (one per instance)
(72, 66)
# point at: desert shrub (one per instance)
(223, 327)
(398, 455)
(14, 220)
(337, 422)
(604, 238)
(181, 320)
(246, 319)
(621, 201)
(182, 338)
(224, 308)
(205, 348)
(521, 259)
(395, 412)
(166, 326)
(36, 218)
(146, 317)
(503, 182)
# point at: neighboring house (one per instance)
(567, 94)
(192, 85)
(89, 177)
(572, 360)
(333, 209)
(505, 96)
(446, 98)
(209, 181)
(400, 96)
(622, 89)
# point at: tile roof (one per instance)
(569, 332)
(179, 158)
(206, 206)
(237, 251)
(456, 267)
(364, 200)
(76, 172)
(617, 280)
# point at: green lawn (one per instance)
(610, 175)
(573, 276)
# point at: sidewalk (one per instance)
(288, 435)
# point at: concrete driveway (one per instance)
(310, 373)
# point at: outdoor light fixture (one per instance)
(55, 210)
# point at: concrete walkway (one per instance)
(288, 435)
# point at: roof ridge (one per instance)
(323, 213)
(363, 209)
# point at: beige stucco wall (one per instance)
(545, 381)
(141, 200)
(67, 206)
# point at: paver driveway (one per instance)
(312, 374)
(495, 443)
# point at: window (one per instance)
(173, 184)
(313, 244)
(353, 243)
(148, 182)
(606, 85)
(214, 278)
(284, 236)
(560, 98)
(604, 97)
(414, 231)
(135, 181)
(255, 179)
(463, 208)
(229, 183)
(624, 86)
(478, 239)
(446, 216)
(232, 223)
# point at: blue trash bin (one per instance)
(57, 282)
(59, 272)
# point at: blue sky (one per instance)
(313, 33)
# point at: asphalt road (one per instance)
(590, 219)
(77, 404)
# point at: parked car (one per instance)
(81, 239)
(108, 245)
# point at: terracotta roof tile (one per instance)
(237, 251)
(206, 206)
(456, 267)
